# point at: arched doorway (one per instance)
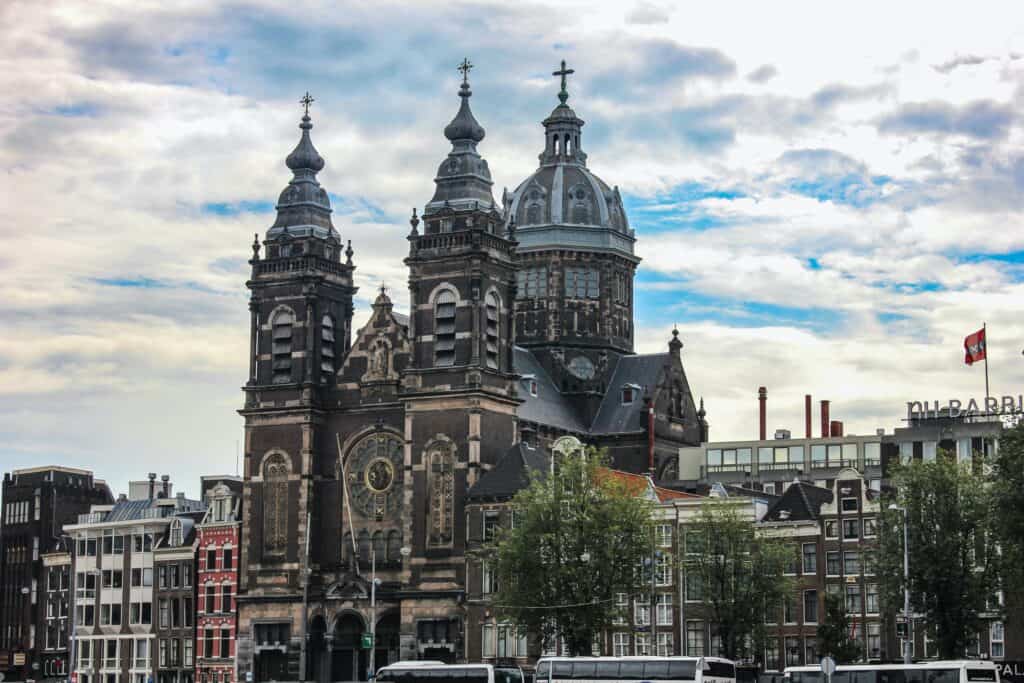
(348, 659)
(386, 647)
(317, 663)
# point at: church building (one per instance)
(362, 445)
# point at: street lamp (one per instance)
(907, 643)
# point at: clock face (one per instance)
(581, 368)
(375, 476)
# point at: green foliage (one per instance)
(834, 634)
(740, 574)
(1008, 508)
(579, 538)
(952, 571)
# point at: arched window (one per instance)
(492, 330)
(364, 547)
(275, 503)
(281, 352)
(567, 146)
(533, 214)
(380, 546)
(327, 348)
(346, 550)
(394, 546)
(441, 495)
(444, 328)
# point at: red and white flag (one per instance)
(974, 347)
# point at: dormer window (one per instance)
(444, 328)
(533, 387)
(176, 536)
(629, 393)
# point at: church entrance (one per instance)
(348, 660)
(271, 665)
(317, 663)
(388, 628)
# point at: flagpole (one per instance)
(985, 334)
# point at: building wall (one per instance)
(213, 663)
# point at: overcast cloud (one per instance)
(828, 198)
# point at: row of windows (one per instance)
(17, 512)
(114, 544)
(175, 575)
(444, 329)
(107, 653)
(209, 603)
(227, 559)
(822, 455)
(175, 652)
(175, 612)
(642, 609)
(502, 640)
(216, 644)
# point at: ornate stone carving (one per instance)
(275, 503)
(441, 494)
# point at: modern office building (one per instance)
(37, 502)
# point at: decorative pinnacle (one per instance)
(348, 253)
(464, 69)
(307, 100)
(563, 95)
(414, 222)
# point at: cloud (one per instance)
(981, 119)
(763, 74)
(958, 61)
(648, 13)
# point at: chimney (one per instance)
(166, 479)
(152, 484)
(807, 416)
(762, 399)
(824, 420)
(835, 428)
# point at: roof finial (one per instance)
(464, 68)
(306, 100)
(563, 95)
(414, 222)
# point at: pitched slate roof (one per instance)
(615, 418)
(549, 406)
(511, 474)
(801, 500)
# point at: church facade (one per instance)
(362, 445)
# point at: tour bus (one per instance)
(803, 674)
(439, 672)
(626, 669)
(959, 671)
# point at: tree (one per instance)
(834, 634)
(952, 572)
(579, 538)
(1008, 509)
(740, 574)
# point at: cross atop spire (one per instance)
(464, 69)
(306, 100)
(563, 95)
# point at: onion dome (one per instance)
(303, 208)
(464, 126)
(463, 180)
(563, 204)
(305, 156)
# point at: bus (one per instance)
(803, 674)
(626, 669)
(959, 671)
(439, 672)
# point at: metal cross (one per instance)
(563, 72)
(464, 69)
(306, 101)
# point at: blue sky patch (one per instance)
(76, 110)
(235, 208)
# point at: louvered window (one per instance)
(282, 347)
(327, 348)
(491, 332)
(444, 329)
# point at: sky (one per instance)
(827, 196)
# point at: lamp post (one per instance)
(907, 642)
(374, 582)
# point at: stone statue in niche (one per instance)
(379, 359)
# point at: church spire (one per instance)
(463, 179)
(304, 209)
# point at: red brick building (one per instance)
(217, 580)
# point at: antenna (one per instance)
(236, 457)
